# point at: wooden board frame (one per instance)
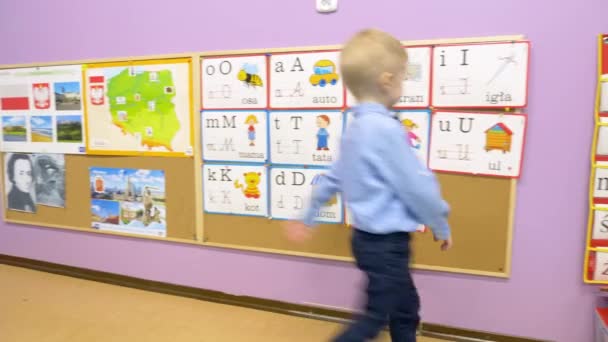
(506, 271)
(594, 165)
(194, 102)
(197, 153)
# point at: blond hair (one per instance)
(366, 56)
(251, 117)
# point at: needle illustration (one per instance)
(506, 61)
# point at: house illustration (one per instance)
(498, 137)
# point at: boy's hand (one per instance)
(445, 244)
(297, 231)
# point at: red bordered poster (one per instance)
(306, 80)
(488, 144)
(481, 75)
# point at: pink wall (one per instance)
(545, 296)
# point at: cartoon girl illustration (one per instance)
(251, 120)
(414, 140)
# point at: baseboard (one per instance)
(428, 329)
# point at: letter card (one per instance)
(291, 189)
(477, 143)
(600, 186)
(600, 228)
(481, 75)
(235, 189)
(599, 266)
(305, 137)
(234, 82)
(235, 136)
(417, 127)
(417, 84)
(601, 151)
(305, 80)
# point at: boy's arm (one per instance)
(415, 185)
(323, 191)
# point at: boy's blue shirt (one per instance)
(385, 186)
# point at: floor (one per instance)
(44, 307)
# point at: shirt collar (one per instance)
(372, 107)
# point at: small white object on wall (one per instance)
(327, 6)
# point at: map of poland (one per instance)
(139, 108)
(143, 104)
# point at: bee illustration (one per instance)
(249, 75)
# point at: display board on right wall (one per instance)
(596, 248)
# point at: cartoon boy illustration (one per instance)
(251, 120)
(322, 134)
(414, 140)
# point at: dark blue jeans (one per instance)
(391, 295)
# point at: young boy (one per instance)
(388, 190)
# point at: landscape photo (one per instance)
(107, 183)
(67, 95)
(104, 213)
(14, 129)
(42, 128)
(69, 128)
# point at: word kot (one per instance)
(236, 189)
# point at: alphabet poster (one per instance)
(417, 84)
(235, 189)
(235, 136)
(291, 189)
(600, 228)
(601, 151)
(305, 137)
(305, 80)
(234, 82)
(41, 110)
(481, 75)
(600, 186)
(604, 93)
(599, 266)
(417, 127)
(477, 143)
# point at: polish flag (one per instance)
(14, 97)
(96, 90)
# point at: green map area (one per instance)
(139, 104)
